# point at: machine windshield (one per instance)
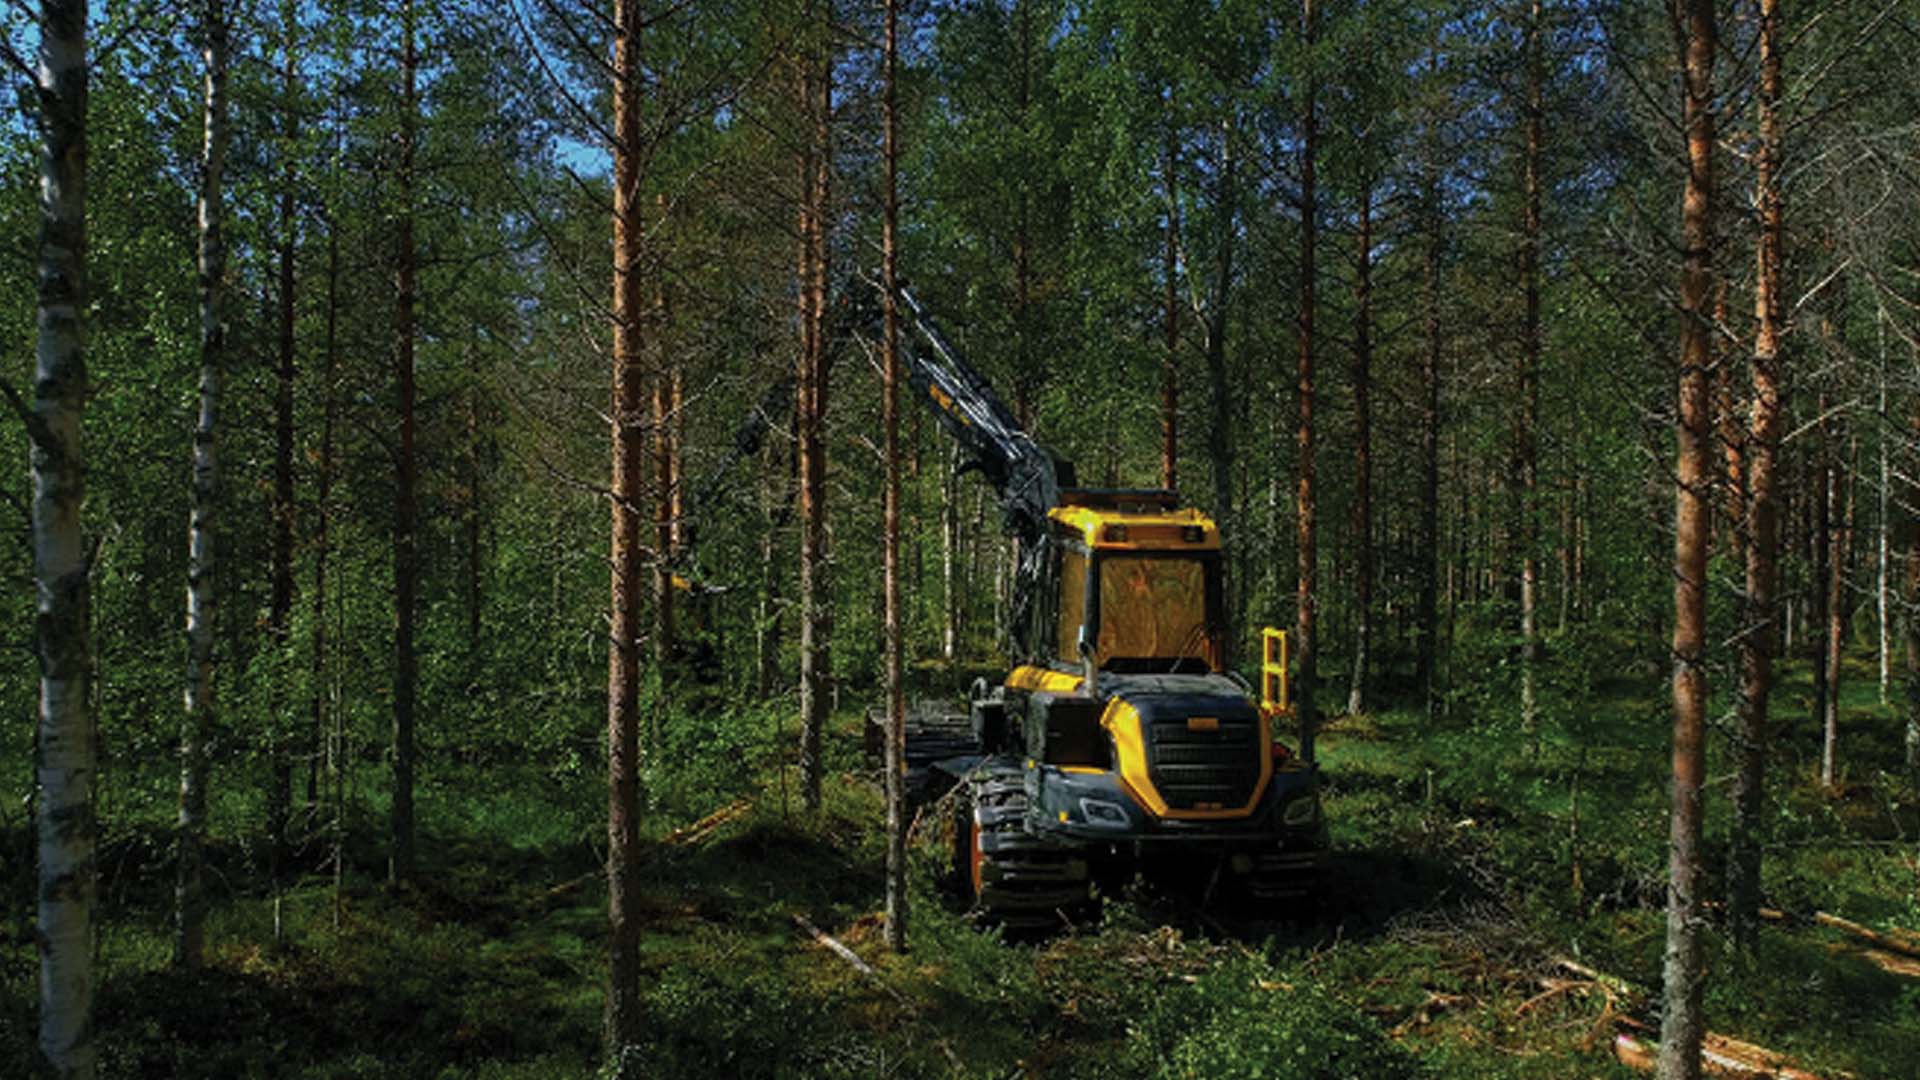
(1153, 608)
(1153, 611)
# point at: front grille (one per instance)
(1204, 769)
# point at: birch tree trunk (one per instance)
(64, 766)
(628, 464)
(896, 756)
(1362, 456)
(279, 794)
(1681, 1025)
(1527, 420)
(189, 893)
(1758, 643)
(1839, 613)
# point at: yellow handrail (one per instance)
(1274, 699)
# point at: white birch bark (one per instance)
(190, 830)
(64, 766)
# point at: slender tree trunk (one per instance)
(949, 562)
(1821, 537)
(1883, 539)
(816, 167)
(1220, 442)
(890, 407)
(279, 617)
(1839, 614)
(1362, 456)
(65, 738)
(1170, 319)
(405, 558)
(1682, 1027)
(1429, 606)
(322, 551)
(1304, 641)
(1913, 613)
(197, 724)
(1527, 419)
(1758, 643)
(624, 1007)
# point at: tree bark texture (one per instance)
(1682, 1027)
(625, 554)
(405, 546)
(1759, 641)
(1304, 641)
(197, 723)
(64, 764)
(816, 86)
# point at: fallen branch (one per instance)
(1719, 1056)
(834, 945)
(706, 826)
(1873, 937)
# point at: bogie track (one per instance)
(1014, 878)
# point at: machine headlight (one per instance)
(1103, 813)
(1302, 811)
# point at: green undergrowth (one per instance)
(1473, 855)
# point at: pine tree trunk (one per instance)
(624, 550)
(1362, 456)
(65, 738)
(1304, 642)
(1527, 420)
(816, 167)
(896, 761)
(280, 611)
(1682, 1027)
(197, 724)
(405, 557)
(1220, 443)
(1758, 643)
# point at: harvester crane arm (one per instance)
(1026, 476)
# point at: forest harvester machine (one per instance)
(1119, 740)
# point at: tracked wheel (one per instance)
(1012, 877)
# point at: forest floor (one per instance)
(1452, 905)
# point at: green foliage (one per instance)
(1243, 1020)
